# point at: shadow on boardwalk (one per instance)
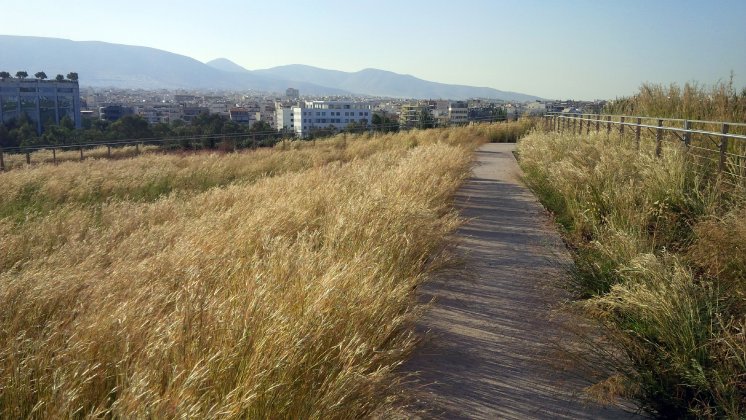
(491, 337)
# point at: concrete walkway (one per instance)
(491, 341)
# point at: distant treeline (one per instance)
(693, 101)
(21, 132)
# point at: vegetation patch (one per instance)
(271, 284)
(659, 253)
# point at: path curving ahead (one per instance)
(490, 341)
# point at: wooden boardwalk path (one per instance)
(491, 341)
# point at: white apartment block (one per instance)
(283, 118)
(458, 113)
(323, 114)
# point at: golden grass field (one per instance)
(267, 284)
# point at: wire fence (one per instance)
(56, 153)
(712, 146)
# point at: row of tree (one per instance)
(22, 74)
(21, 132)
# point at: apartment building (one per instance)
(42, 101)
(313, 115)
(283, 117)
(409, 114)
(458, 112)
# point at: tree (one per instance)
(261, 127)
(131, 127)
(72, 76)
(4, 75)
(21, 74)
(60, 78)
(40, 75)
(425, 120)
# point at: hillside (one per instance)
(385, 83)
(125, 66)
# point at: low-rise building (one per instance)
(458, 112)
(337, 115)
(113, 112)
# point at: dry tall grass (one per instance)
(281, 287)
(719, 102)
(659, 261)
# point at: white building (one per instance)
(458, 112)
(324, 114)
(283, 117)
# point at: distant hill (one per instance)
(104, 64)
(385, 83)
(226, 65)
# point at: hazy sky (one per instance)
(554, 49)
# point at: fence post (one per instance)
(2, 160)
(637, 133)
(659, 138)
(81, 152)
(137, 148)
(588, 126)
(723, 148)
(108, 151)
(608, 125)
(621, 128)
(54, 155)
(580, 129)
(687, 135)
(28, 157)
(598, 122)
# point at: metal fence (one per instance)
(226, 141)
(711, 144)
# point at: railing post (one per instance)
(608, 125)
(28, 157)
(2, 160)
(637, 133)
(659, 138)
(723, 148)
(687, 134)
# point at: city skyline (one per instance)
(580, 49)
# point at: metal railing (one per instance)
(249, 140)
(722, 143)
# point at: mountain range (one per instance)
(102, 64)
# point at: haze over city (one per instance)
(578, 49)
